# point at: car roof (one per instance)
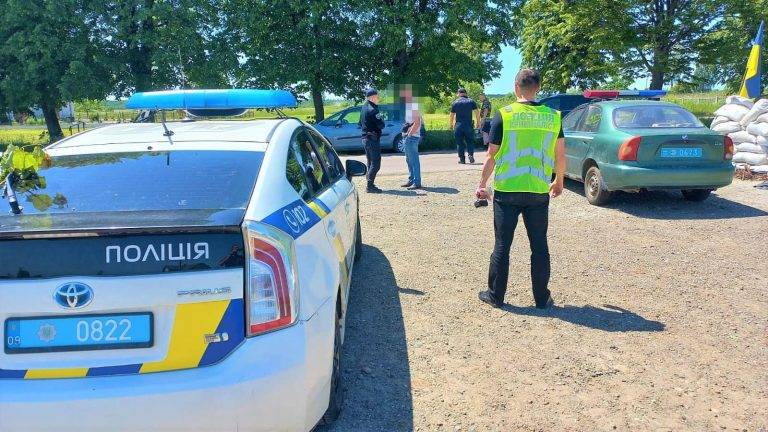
(615, 103)
(254, 131)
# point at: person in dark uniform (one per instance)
(461, 124)
(485, 117)
(372, 124)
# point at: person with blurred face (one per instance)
(412, 135)
(462, 111)
(526, 147)
(372, 123)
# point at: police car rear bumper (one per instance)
(276, 382)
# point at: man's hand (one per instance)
(481, 193)
(556, 188)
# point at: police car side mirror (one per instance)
(338, 124)
(355, 168)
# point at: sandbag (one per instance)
(718, 120)
(742, 137)
(734, 112)
(750, 158)
(760, 108)
(751, 148)
(758, 129)
(762, 119)
(761, 140)
(759, 169)
(727, 127)
(738, 100)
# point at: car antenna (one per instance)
(167, 132)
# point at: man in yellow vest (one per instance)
(526, 147)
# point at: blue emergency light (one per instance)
(231, 99)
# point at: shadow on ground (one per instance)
(670, 205)
(608, 318)
(377, 376)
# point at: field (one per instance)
(438, 133)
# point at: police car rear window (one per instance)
(173, 180)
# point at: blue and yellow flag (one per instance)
(750, 88)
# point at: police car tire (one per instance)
(358, 241)
(695, 195)
(594, 187)
(336, 399)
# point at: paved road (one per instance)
(394, 164)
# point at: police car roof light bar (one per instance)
(614, 94)
(212, 99)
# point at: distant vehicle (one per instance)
(342, 129)
(632, 145)
(180, 276)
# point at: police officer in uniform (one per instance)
(372, 124)
(526, 147)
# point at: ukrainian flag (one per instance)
(751, 85)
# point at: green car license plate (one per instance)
(677, 152)
(78, 333)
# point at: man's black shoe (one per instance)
(461, 161)
(486, 297)
(373, 189)
(471, 159)
(547, 305)
(405, 185)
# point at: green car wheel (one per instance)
(594, 187)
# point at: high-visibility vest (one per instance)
(526, 158)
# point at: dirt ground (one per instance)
(660, 323)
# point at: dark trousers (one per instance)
(372, 146)
(465, 139)
(507, 207)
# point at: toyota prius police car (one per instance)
(180, 276)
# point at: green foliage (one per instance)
(48, 55)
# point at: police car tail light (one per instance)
(728, 153)
(629, 148)
(271, 287)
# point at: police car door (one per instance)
(346, 204)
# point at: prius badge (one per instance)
(73, 295)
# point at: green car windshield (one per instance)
(654, 116)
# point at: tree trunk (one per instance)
(317, 100)
(52, 122)
(657, 80)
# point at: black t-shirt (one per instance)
(497, 126)
(463, 108)
(370, 118)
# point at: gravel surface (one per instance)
(660, 323)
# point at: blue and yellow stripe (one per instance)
(750, 87)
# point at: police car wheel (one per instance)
(358, 241)
(336, 399)
(398, 145)
(594, 187)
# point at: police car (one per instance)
(179, 276)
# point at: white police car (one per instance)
(191, 278)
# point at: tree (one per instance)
(159, 44)
(436, 44)
(311, 46)
(572, 44)
(728, 47)
(48, 57)
(665, 34)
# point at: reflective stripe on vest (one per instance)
(527, 169)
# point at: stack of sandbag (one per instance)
(747, 125)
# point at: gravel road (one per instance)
(660, 323)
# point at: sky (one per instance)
(510, 64)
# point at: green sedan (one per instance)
(634, 145)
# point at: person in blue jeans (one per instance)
(462, 111)
(413, 133)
